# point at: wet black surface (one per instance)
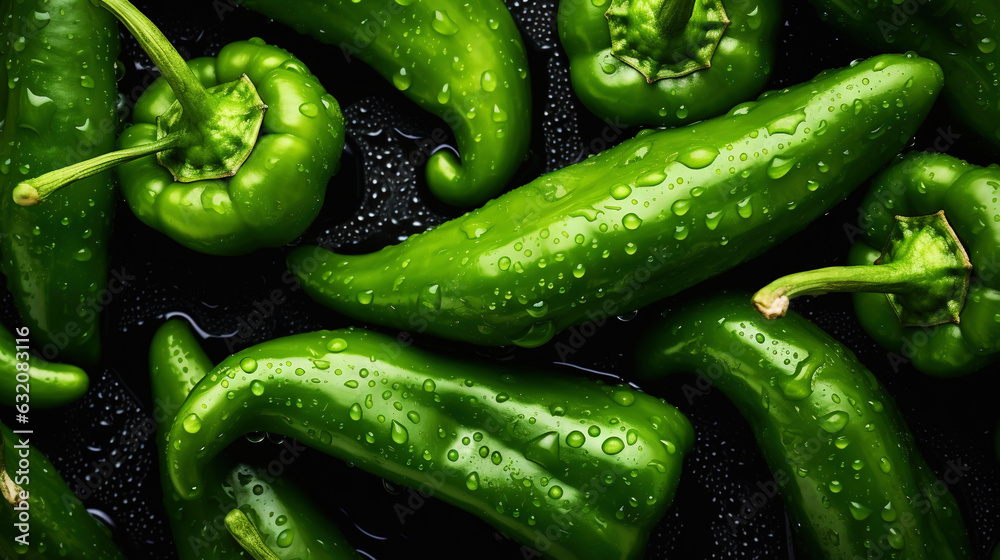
(105, 445)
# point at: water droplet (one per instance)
(504, 263)
(452, 455)
(488, 81)
(834, 421)
(309, 109)
(835, 486)
(631, 437)
(780, 167)
(786, 124)
(680, 233)
(620, 191)
(402, 80)
(544, 450)
(535, 335)
(429, 298)
(257, 387)
(555, 492)
(744, 208)
(612, 446)
(192, 423)
(472, 481)
(698, 158)
(987, 45)
(859, 511)
(681, 207)
(576, 439)
(631, 221)
(399, 433)
(365, 297)
(499, 115)
(444, 94)
(443, 24)
(579, 270)
(429, 385)
(884, 465)
(712, 219)
(248, 365)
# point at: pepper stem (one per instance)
(33, 191)
(924, 271)
(674, 16)
(246, 534)
(11, 492)
(190, 93)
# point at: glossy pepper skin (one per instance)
(524, 452)
(59, 525)
(291, 527)
(740, 65)
(853, 481)
(54, 114)
(49, 385)
(965, 335)
(244, 146)
(639, 222)
(463, 61)
(960, 35)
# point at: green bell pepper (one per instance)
(276, 516)
(845, 463)
(674, 62)
(28, 380)
(58, 106)
(932, 242)
(960, 35)
(575, 468)
(40, 517)
(640, 221)
(462, 60)
(244, 146)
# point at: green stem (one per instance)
(186, 86)
(772, 300)
(674, 15)
(246, 534)
(924, 271)
(38, 189)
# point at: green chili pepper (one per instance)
(939, 275)
(639, 222)
(961, 35)
(674, 61)
(573, 467)
(851, 477)
(273, 516)
(245, 144)
(462, 60)
(58, 104)
(44, 384)
(55, 522)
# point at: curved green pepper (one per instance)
(640, 221)
(245, 144)
(710, 56)
(851, 477)
(462, 60)
(55, 523)
(929, 286)
(281, 519)
(575, 468)
(58, 108)
(960, 35)
(29, 379)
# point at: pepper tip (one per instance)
(772, 310)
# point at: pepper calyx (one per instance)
(931, 244)
(924, 271)
(223, 143)
(666, 38)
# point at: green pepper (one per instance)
(674, 61)
(575, 468)
(844, 461)
(58, 108)
(640, 221)
(927, 271)
(462, 60)
(28, 380)
(244, 146)
(960, 35)
(276, 516)
(40, 517)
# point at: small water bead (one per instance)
(612, 446)
(337, 345)
(248, 365)
(355, 412)
(192, 423)
(575, 439)
(472, 481)
(257, 387)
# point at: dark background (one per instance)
(105, 450)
